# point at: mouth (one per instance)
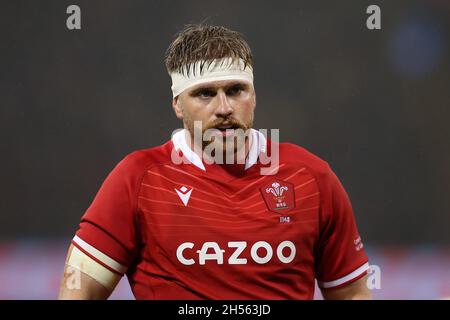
(226, 130)
(227, 127)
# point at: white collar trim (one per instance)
(258, 145)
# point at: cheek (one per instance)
(198, 110)
(247, 107)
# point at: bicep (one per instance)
(78, 285)
(356, 290)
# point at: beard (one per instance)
(226, 135)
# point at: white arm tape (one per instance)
(80, 261)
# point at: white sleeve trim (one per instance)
(113, 264)
(82, 262)
(350, 276)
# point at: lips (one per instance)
(226, 130)
(229, 127)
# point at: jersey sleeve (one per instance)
(108, 230)
(340, 256)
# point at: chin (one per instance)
(232, 148)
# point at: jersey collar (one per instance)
(257, 145)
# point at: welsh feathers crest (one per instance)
(279, 196)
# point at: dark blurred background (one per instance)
(374, 103)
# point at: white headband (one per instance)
(223, 69)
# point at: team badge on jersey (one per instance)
(279, 196)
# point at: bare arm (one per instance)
(76, 285)
(357, 290)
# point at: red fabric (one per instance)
(139, 220)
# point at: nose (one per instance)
(224, 108)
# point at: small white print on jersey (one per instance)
(184, 193)
(285, 219)
(358, 244)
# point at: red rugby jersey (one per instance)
(197, 231)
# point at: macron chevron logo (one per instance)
(184, 194)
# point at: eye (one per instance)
(205, 93)
(235, 90)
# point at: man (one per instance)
(231, 215)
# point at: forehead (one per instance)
(219, 84)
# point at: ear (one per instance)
(254, 99)
(176, 105)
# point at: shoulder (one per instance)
(137, 162)
(296, 155)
